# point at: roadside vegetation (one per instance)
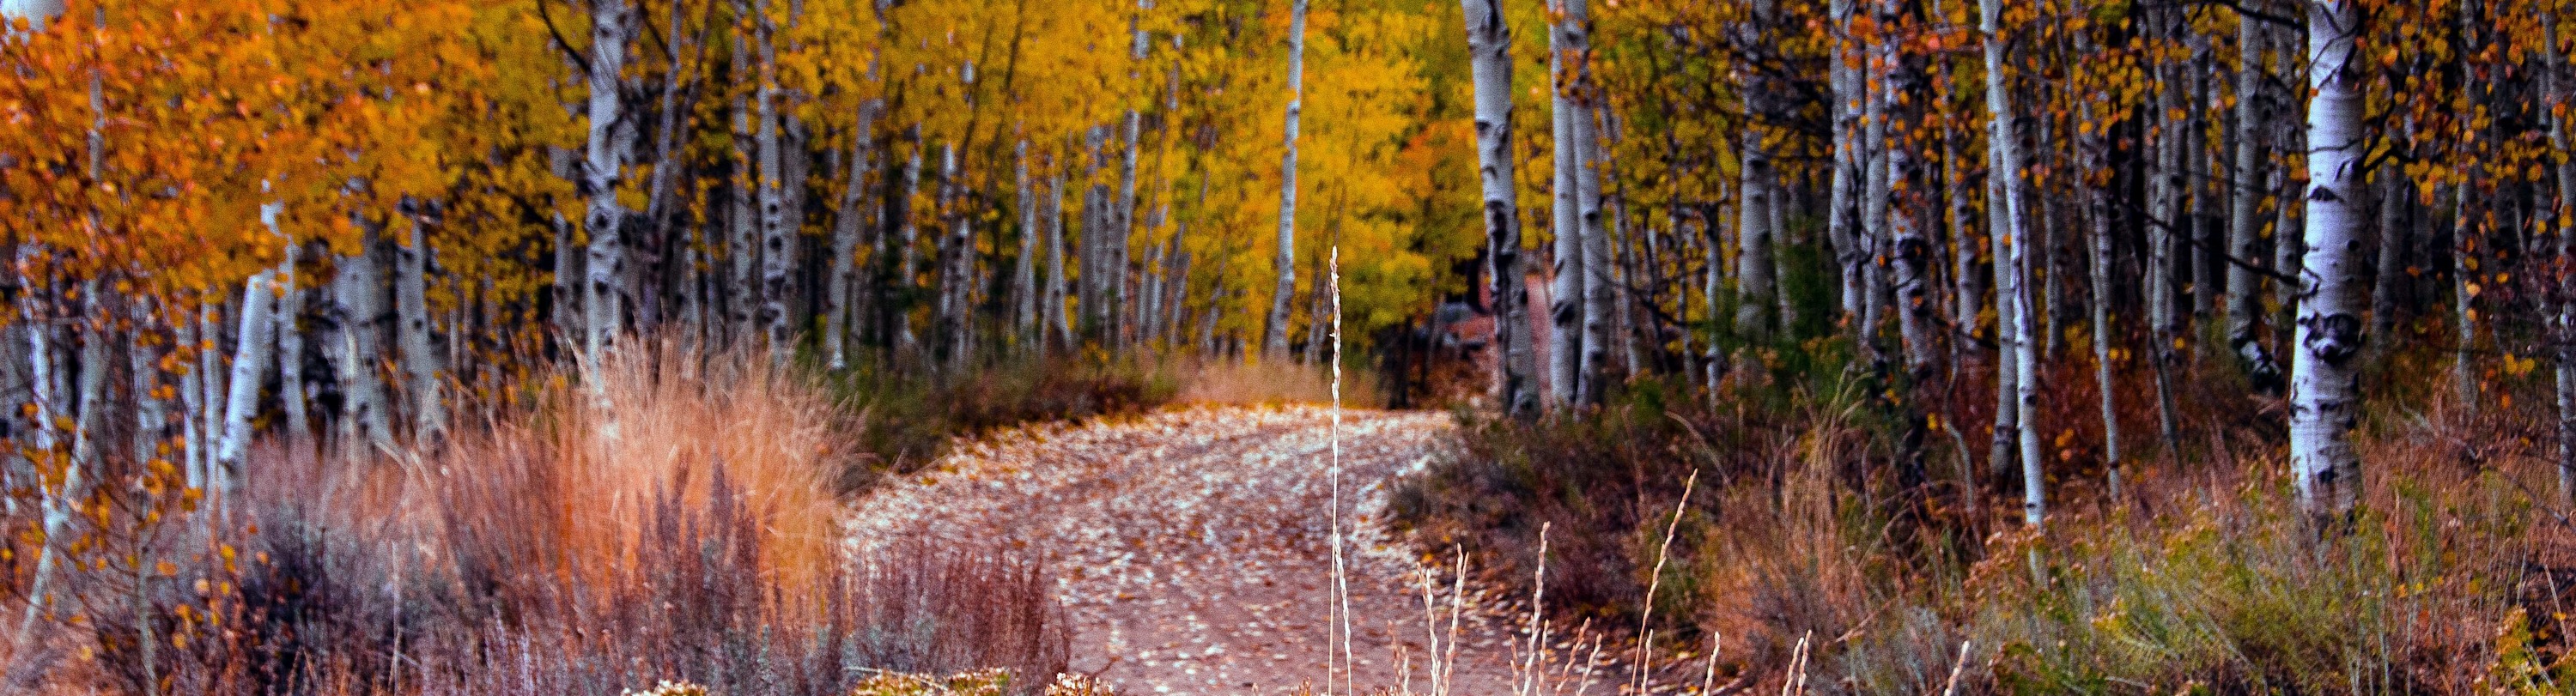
(1819, 516)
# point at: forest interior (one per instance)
(1081, 347)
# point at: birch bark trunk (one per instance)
(2097, 182)
(1598, 291)
(1910, 254)
(1756, 287)
(1123, 227)
(256, 350)
(411, 308)
(777, 259)
(1842, 225)
(1024, 270)
(2553, 85)
(290, 350)
(2005, 450)
(1565, 287)
(602, 169)
(1055, 325)
(1274, 332)
(2007, 149)
(355, 289)
(957, 256)
(2326, 383)
(2244, 287)
(1874, 236)
(742, 219)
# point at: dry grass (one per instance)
(669, 518)
(659, 423)
(1270, 382)
(2203, 578)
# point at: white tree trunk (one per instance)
(602, 169)
(1882, 55)
(1056, 326)
(1024, 270)
(2325, 389)
(957, 275)
(1910, 252)
(1753, 263)
(2244, 224)
(2553, 85)
(48, 414)
(1842, 223)
(776, 229)
(357, 291)
(2014, 284)
(742, 241)
(2005, 449)
(1593, 374)
(143, 368)
(1274, 332)
(290, 349)
(420, 360)
(61, 504)
(1565, 290)
(2094, 149)
(255, 352)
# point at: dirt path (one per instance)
(1193, 547)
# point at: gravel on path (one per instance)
(1192, 548)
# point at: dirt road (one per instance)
(1193, 547)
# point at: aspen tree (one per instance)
(2553, 87)
(2013, 283)
(2244, 288)
(604, 158)
(1880, 51)
(777, 259)
(2094, 150)
(1756, 285)
(251, 359)
(1055, 326)
(290, 350)
(1565, 288)
(1122, 225)
(2325, 382)
(1274, 332)
(1574, 28)
(421, 370)
(1024, 278)
(1843, 224)
(1910, 250)
(365, 427)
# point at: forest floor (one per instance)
(1192, 548)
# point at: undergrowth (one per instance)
(1873, 531)
(907, 417)
(665, 516)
